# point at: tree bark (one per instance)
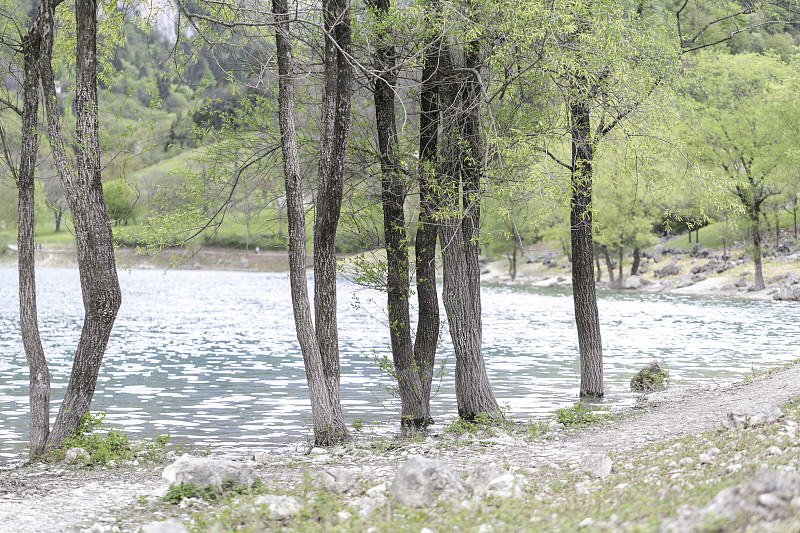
(759, 277)
(637, 258)
(39, 374)
(609, 267)
(599, 274)
(334, 128)
(94, 241)
(460, 241)
(415, 409)
(619, 276)
(583, 289)
(427, 336)
(326, 413)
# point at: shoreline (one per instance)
(669, 447)
(733, 283)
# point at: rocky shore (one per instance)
(671, 270)
(682, 460)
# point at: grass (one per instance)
(646, 486)
(105, 445)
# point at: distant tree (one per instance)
(747, 124)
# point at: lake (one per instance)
(212, 359)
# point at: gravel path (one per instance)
(46, 498)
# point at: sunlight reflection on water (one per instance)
(212, 357)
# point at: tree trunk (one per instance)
(326, 412)
(697, 235)
(459, 237)
(427, 337)
(777, 231)
(58, 213)
(619, 277)
(583, 290)
(334, 128)
(93, 238)
(637, 257)
(415, 409)
(609, 266)
(599, 274)
(759, 280)
(39, 392)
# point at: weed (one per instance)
(358, 425)
(579, 416)
(113, 445)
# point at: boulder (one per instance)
(740, 283)
(164, 526)
(787, 293)
(650, 378)
(421, 482)
(791, 278)
(699, 277)
(493, 481)
(699, 251)
(279, 507)
(597, 465)
(334, 479)
(76, 456)
(203, 471)
(752, 416)
(768, 496)
(670, 270)
(633, 282)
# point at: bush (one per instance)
(113, 445)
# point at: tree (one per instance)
(319, 347)
(611, 58)
(746, 127)
(413, 375)
(99, 284)
(461, 174)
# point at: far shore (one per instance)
(735, 282)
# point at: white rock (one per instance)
(334, 479)
(369, 504)
(166, 526)
(343, 515)
(752, 416)
(279, 507)
(262, 458)
(506, 486)
(376, 490)
(597, 465)
(420, 482)
(686, 461)
(774, 450)
(76, 456)
(705, 459)
(770, 501)
(204, 472)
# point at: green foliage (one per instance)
(182, 490)
(579, 415)
(104, 444)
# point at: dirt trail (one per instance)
(45, 498)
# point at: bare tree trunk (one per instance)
(94, 241)
(415, 409)
(609, 266)
(759, 279)
(619, 276)
(335, 128)
(427, 337)
(583, 290)
(599, 274)
(326, 412)
(459, 237)
(39, 392)
(637, 258)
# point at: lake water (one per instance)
(212, 359)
